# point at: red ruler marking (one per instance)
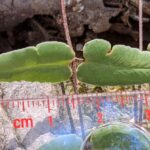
(146, 100)
(97, 103)
(68, 100)
(106, 98)
(130, 99)
(23, 106)
(8, 104)
(141, 96)
(58, 103)
(18, 104)
(127, 99)
(63, 103)
(86, 99)
(117, 99)
(136, 97)
(48, 105)
(53, 103)
(100, 117)
(13, 104)
(43, 102)
(2, 103)
(147, 112)
(89, 100)
(50, 121)
(28, 104)
(77, 101)
(73, 102)
(33, 103)
(83, 99)
(122, 100)
(38, 103)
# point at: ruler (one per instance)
(135, 104)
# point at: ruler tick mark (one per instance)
(100, 117)
(48, 104)
(33, 103)
(23, 106)
(28, 103)
(50, 121)
(146, 100)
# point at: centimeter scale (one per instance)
(138, 101)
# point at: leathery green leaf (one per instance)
(119, 65)
(47, 62)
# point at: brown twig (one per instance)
(68, 38)
(140, 47)
(141, 24)
(66, 29)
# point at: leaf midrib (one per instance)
(124, 67)
(17, 69)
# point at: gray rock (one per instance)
(26, 137)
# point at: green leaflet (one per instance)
(121, 65)
(47, 62)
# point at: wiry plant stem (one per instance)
(67, 33)
(141, 24)
(68, 38)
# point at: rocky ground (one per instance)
(42, 132)
(24, 23)
(28, 22)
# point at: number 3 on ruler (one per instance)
(100, 117)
